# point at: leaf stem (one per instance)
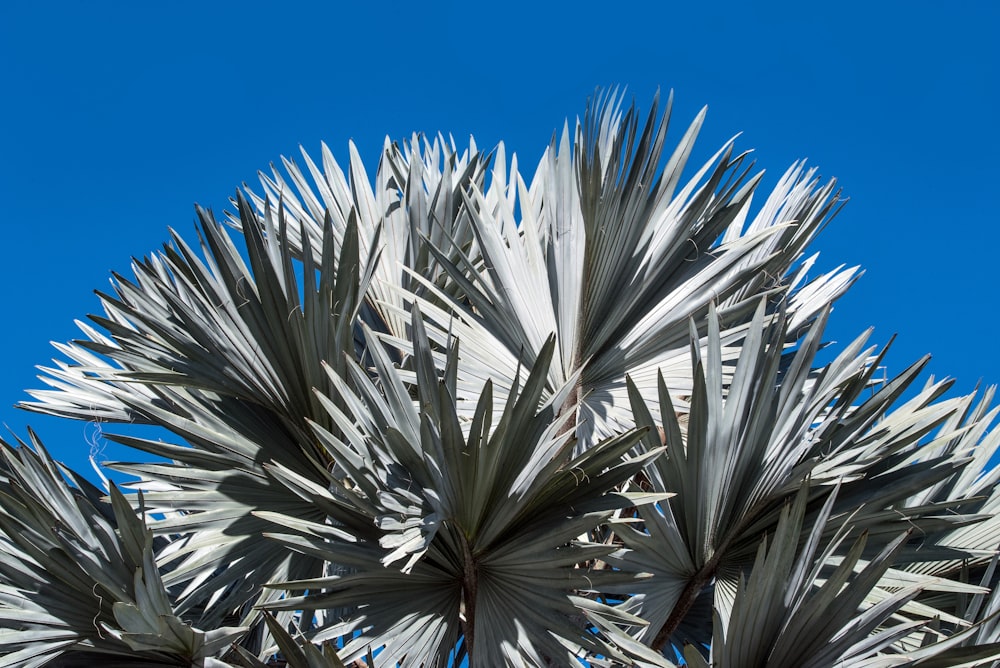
(470, 585)
(694, 586)
(684, 602)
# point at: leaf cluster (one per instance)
(455, 414)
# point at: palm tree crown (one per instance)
(454, 414)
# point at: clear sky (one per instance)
(116, 117)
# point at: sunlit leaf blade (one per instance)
(615, 258)
(478, 528)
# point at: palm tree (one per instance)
(453, 414)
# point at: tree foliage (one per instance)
(455, 414)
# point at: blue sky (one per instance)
(117, 118)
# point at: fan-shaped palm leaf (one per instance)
(611, 253)
(477, 527)
(78, 583)
(417, 194)
(614, 257)
(753, 445)
(225, 356)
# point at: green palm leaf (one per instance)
(477, 527)
(225, 356)
(746, 449)
(417, 194)
(780, 617)
(78, 582)
(614, 258)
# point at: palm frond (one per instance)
(615, 258)
(476, 530)
(750, 447)
(417, 194)
(78, 581)
(780, 617)
(225, 356)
